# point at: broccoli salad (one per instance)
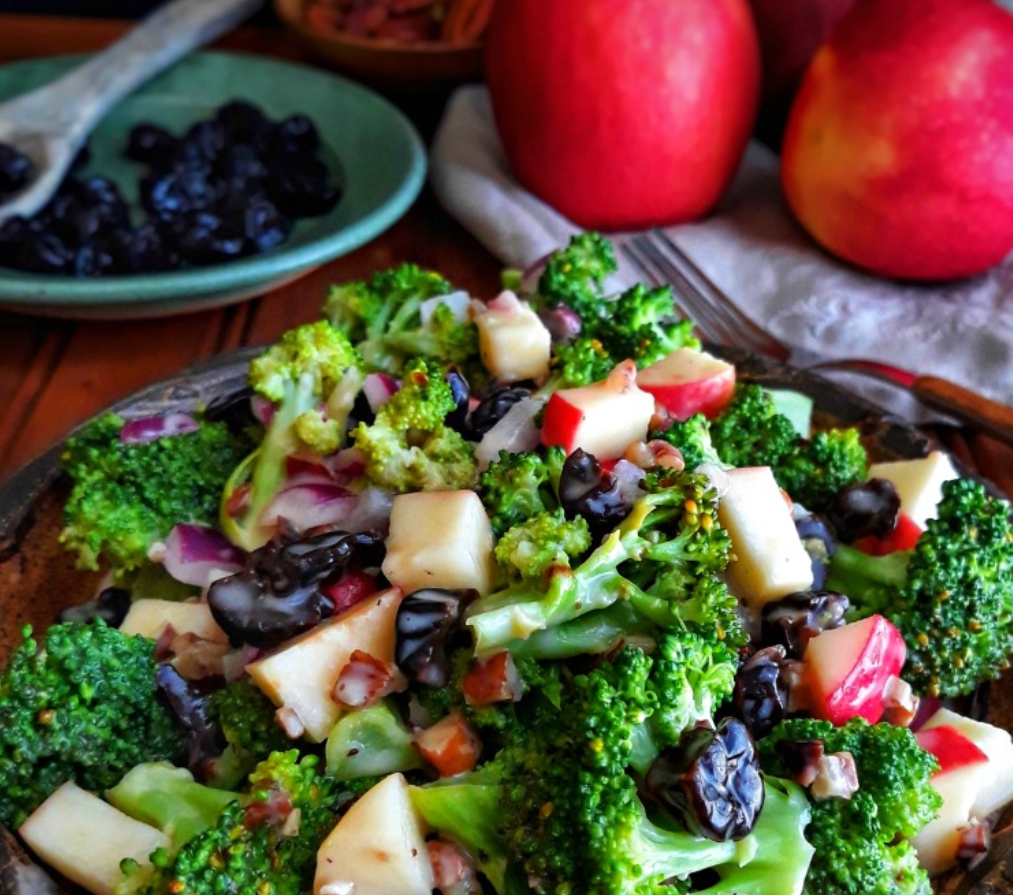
(525, 595)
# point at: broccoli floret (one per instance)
(125, 497)
(383, 318)
(169, 799)
(692, 437)
(246, 718)
(693, 675)
(663, 558)
(409, 447)
(579, 362)
(529, 549)
(570, 815)
(642, 325)
(816, 469)
(751, 432)
(516, 487)
(82, 706)
(312, 374)
(951, 597)
(575, 276)
(597, 632)
(252, 847)
(863, 843)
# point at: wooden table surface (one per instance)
(55, 373)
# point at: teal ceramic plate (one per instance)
(369, 145)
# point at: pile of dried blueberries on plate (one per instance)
(230, 187)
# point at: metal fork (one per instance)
(718, 319)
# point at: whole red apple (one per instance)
(790, 32)
(624, 114)
(898, 154)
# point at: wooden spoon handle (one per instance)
(970, 407)
(159, 40)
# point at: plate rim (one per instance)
(194, 288)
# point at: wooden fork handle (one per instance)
(160, 39)
(979, 412)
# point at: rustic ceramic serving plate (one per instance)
(38, 578)
(369, 146)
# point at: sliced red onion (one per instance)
(515, 432)
(378, 389)
(628, 477)
(371, 512)
(234, 663)
(507, 302)
(309, 505)
(458, 303)
(152, 428)
(262, 409)
(347, 465)
(197, 555)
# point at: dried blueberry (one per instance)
(301, 194)
(111, 605)
(761, 691)
(711, 781)
(493, 406)
(263, 225)
(794, 620)
(204, 238)
(426, 620)
(298, 133)
(202, 738)
(243, 122)
(866, 508)
(279, 593)
(151, 145)
(16, 170)
(819, 542)
(585, 489)
(461, 392)
(44, 253)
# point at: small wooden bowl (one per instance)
(383, 62)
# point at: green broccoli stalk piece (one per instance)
(254, 846)
(592, 634)
(383, 318)
(663, 558)
(370, 742)
(409, 447)
(300, 373)
(530, 549)
(863, 843)
(125, 497)
(80, 705)
(169, 799)
(951, 597)
(516, 487)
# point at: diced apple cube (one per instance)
(85, 838)
(847, 669)
(688, 381)
(603, 419)
(964, 771)
(377, 848)
(997, 744)
(150, 618)
(440, 539)
(770, 559)
(299, 676)
(919, 483)
(513, 342)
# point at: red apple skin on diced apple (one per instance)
(848, 668)
(561, 423)
(688, 382)
(951, 748)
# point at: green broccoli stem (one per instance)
(268, 467)
(521, 610)
(868, 581)
(592, 634)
